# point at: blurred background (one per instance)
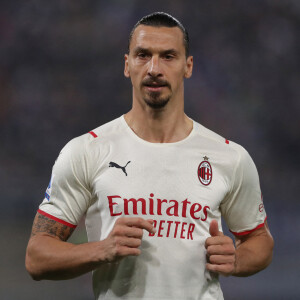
(61, 75)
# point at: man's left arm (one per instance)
(252, 253)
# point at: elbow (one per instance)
(31, 269)
(32, 266)
(271, 247)
(267, 258)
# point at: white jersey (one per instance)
(110, 172)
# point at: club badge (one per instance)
(205, 171)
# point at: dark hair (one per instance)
(161, 19)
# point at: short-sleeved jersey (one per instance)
(110, 172)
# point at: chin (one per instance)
(156, 102)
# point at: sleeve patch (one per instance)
(226, 141)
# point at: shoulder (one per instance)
(218, 141)
(234, 153)
(108, 130)
(80, 155)
(94, 138)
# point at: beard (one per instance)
(154, 99)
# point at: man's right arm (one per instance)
(49, 256)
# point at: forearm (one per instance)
(50, 258)
(253, 254)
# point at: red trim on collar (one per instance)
(93, 134)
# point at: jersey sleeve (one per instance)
(243, 209)
(68, 194)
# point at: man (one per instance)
(153, 185)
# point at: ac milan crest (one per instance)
(205, 172)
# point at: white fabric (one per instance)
(162, 183)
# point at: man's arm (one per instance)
(49, 256)
(253, 252)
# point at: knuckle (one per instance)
(137, 252)
(230, 249)
(140, 232)
(115, 232)
(139, 222)
(137, 233)
(119, 221)
(118, 250)
(119, 231)
(117, 240)
(209, 250)
(229, 241)
(208, 240)
(213, 259)
(228, 268)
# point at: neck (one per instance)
(159, 126)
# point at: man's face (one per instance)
(157, 65)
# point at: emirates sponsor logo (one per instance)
(153, 206)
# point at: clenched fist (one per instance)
(220, 251)
(125, 238)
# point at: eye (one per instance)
(168, 56)
(142, 55)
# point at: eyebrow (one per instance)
(140, 49)
(147, 51)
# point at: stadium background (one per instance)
(61, 74)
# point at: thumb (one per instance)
(214, 229)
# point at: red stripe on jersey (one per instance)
(249, 231)
(93, 134)
(56, 219)
(226, 141)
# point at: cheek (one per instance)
(176, 78)
(136, 72)
(136, 80)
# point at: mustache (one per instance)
(154, 81)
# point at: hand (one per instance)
(125, 238)
(220, 251)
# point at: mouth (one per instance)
(154, 86)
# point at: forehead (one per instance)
(157, 37)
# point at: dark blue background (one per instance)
(61, 75)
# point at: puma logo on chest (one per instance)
(115, 165)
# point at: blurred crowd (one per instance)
(61, 74)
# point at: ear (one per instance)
(189, 67)
(126, 66)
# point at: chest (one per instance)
(161, 181)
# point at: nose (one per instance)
(154, 67)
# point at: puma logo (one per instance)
(114, 165)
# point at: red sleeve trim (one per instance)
(249, 231)
(56, 219)
(93, 134)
